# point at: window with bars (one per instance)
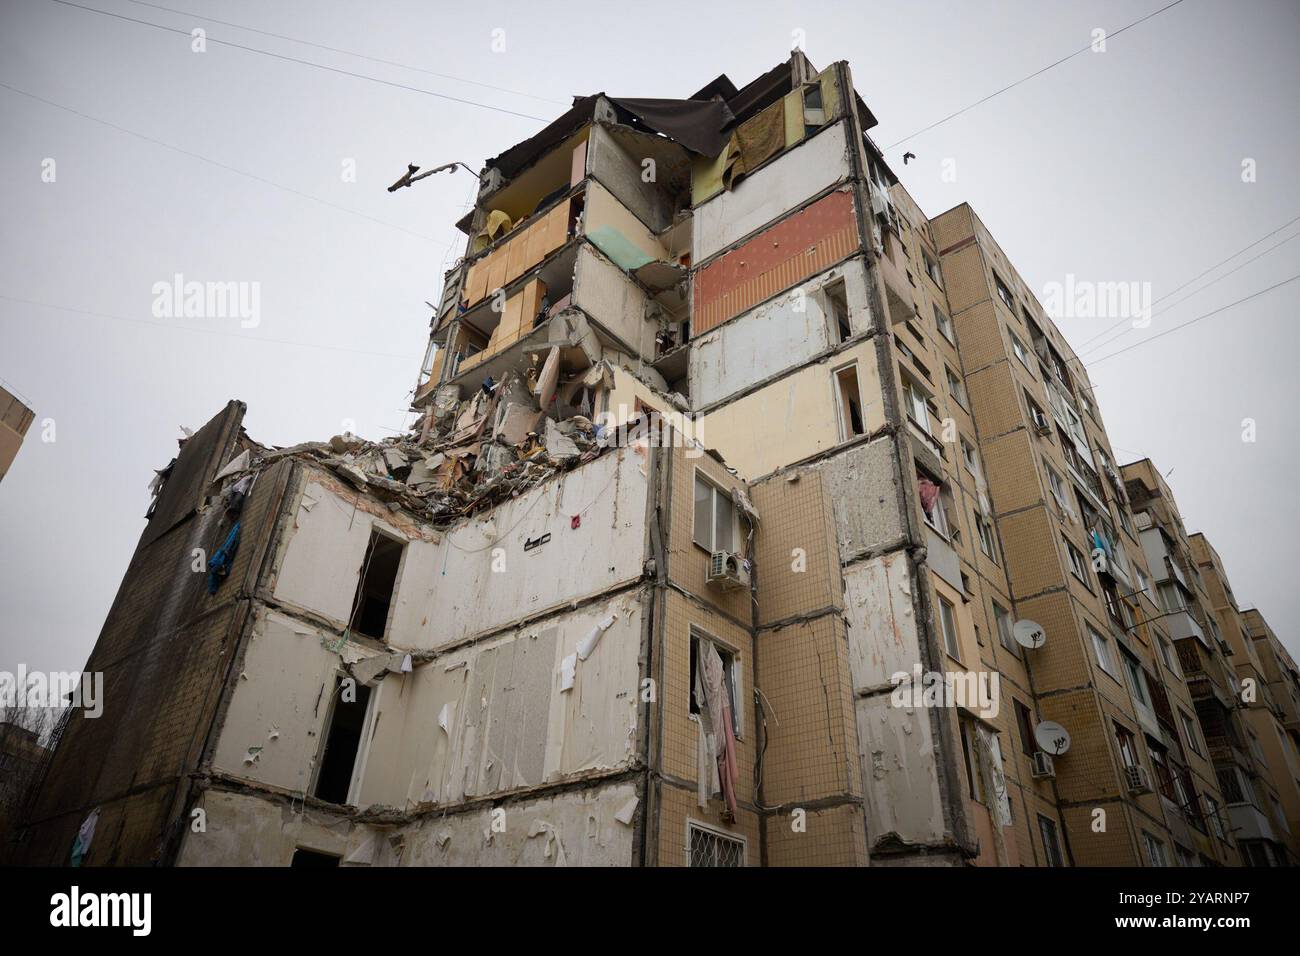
(709, 848)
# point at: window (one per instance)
(1077, 564)
(1025, 722)
(1051, 846)
(707, 847)
(1018, 347)
(1171, 597)
(1101, 648)
(837, 311)
(715, 517)
(1127, 747)
(1056, 485)
(1278, 814)
(1004, 293)
(375, 587)
(1230, 786)
(936, 515)
(944, 324)
(1144, 582)
(1167, 656)
(1156, 855)
(955, 386)
(985, 533)
(915, 399)
(1216, 820)
(1037, 415)
(850, 402)
(347, 720)
(1003, 620)
(971, 755)
(948, 623)
(729, 678)
(969, 457)
(1190, 732)
(1137, 684)
(932, 269)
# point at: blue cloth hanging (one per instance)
(220, 563)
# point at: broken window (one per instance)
(837, 311)
(956, 387)
(943, 323)
(715, 517)
(375, 589)
(985, 532)
(850, 402)
(970, 752)
(728, 678)
(1004, 293)
(1025, 723)
(342, 741)
(707, 847)
(916, 405)
(310, 858)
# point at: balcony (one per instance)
(1248, 823)
(1182, 625)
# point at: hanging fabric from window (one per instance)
(929, 492)
(717, 702)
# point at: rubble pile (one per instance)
(462, 455)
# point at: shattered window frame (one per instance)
(730, 673)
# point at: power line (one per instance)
(1201, 275)
(1195, 293)
(318, 66)
(362, 56)
(1178, 328)
(214, 162)
(1023, 79)
(186, 328)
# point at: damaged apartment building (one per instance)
(717, 438)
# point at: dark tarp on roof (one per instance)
(695, 124)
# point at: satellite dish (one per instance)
(1029, 634)
(1052, 737)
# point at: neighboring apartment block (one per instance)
(751, 518)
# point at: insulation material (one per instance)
(900, 773)
(790, 251)
(883, 636)
(524, 248)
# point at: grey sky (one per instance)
(1123, 165)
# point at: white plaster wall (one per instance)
(799, 174)
(280, 703)
(249, 830)
(781, 334)
(509, 725)
(607, 549)
(577, 828)
(323, 556)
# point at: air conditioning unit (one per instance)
(1044, 769)
(727, 571)
(1137, 779)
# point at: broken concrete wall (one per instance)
(589, 827)
(248, 829)
(792, 179)
(618, 304)
(617, 232)
(483, 573)
(617, 158)
(801, 408)
(778, 335)
(502, 714)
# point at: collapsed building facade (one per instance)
(721, 445)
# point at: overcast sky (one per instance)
(1115, 166)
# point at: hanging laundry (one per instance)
(719, 701)
(220, 563)
(86, 833)
(929, 492)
